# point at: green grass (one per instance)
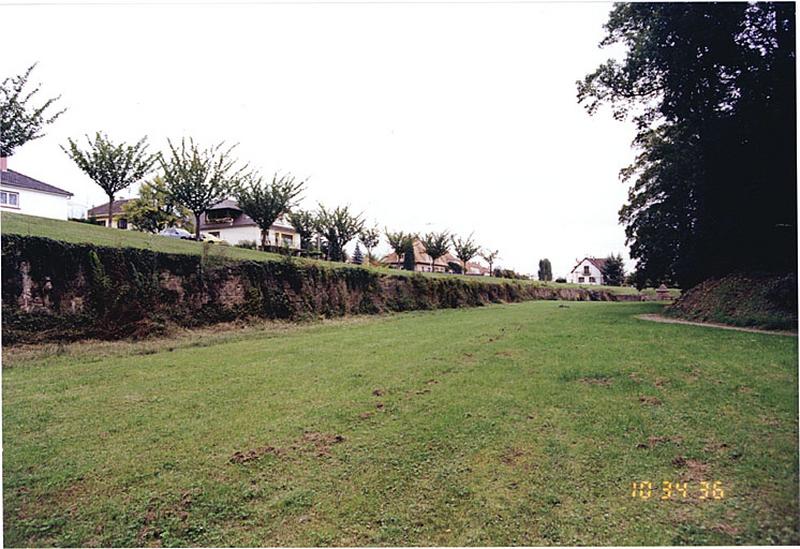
(503, 425)
(72, 231)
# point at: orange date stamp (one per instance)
(703, 490)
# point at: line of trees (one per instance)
(193, 178)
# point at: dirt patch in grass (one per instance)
(319, 442)
(254, 454)
(602, 381)
(695, 470)
(654, 441)
(322, 442)
(512, 456)
(378, 392)
(714, 447)
(650, 400)
(365, 415)
(152, 523)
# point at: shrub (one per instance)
(247, 244)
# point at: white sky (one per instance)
(426, 117)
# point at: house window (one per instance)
(122, 223)
(592, 280)
(580, 279)
(286, 240)
(586, 269)
(10, 199)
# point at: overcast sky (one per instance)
(426, 117)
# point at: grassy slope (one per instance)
(516, 424)
(72, 231)
(765, 301)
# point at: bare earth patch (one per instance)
(667, 320)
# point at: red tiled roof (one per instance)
(103, 208)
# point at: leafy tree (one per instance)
(304, 222)
(561, 280)
(338, 227)
(113, 167)
(545, 270)
(399, 242)
(490, 258)
(358, 257)
(154, 209)
(465, 249)
(370, 239)
(711, 88)
(20, 120)
(436, 245)
(200, 178)
(266, 202)
(409, 259)
(454, 267)
(614, 270)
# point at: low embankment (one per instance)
(763, 301)
(55, 290)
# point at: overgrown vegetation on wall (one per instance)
(765, 301)
(55, 290)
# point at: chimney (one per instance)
(3, 164)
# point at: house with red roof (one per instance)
(589, 270)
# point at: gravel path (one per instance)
(667, 320)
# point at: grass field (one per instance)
(72, 231)
(512, 424)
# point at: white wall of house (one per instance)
(234, 235)
(55, 206)
(585, 273)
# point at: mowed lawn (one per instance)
(509, 424)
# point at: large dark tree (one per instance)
(114, 167)
(20, 120)
(711, 88)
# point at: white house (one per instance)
(228, 222)
(589, 270)
(22, 194)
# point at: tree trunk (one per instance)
(110, 210)
(432, 262)
(264, 239)
(490, 269)
(197, 226)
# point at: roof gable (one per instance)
(22, 181)
(596, 261)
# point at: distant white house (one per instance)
(589, 270)
(228, 222)
(23, 194)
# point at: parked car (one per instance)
(205, 237)
(177, 232)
